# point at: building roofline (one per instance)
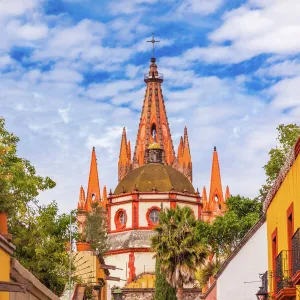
(289, 162)
(6, 245)
(203, 296)
(242, 243)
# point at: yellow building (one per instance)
(90, 268)
(16, 282)
(282, 208)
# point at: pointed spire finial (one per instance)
(93, 192)
(104, 201)
(215, 148)
(216, 198)
(153, 41)
(227, 193)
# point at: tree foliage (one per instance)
(96, 229)
(40, 235)
(225, 233)
(163, 290)
(39, 232)
(19, 183)
(203, 274)
(177, 248)
(287, 137)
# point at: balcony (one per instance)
(296, 257)
(284, 285)
(154, 76)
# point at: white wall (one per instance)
(194, 207)
(144, 261)
(246, 266)
(120, 261)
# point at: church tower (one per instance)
(215, 205)
(149, 179)
(154, 125)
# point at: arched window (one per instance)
(153, 216)
(153, 131)
(216, 198)
(120, 219)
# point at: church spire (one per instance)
(187, 159)
(93, 192)
(104, 201)
(216, 200)
(124, 157)
(184, 159)
(227, 193)
(81, 201)
(180, 151)
(154, 125)
(204, 198)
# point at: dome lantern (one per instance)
(154, 154)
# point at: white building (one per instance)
(238, 278)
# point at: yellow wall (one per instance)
(4, 272)
(288, 192)
(88, 265)
(100, 274)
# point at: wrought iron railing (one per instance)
(282, 272)
(264, 281)
(153, 76)
(296, 252)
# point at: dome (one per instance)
(154, 175)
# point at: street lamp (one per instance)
(117, 294)
(262, 294)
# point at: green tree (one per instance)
(18, 179)
(287, 137)
(40, 235)
(163, 290)
(226, 232)
(96, 229)
(177, 248)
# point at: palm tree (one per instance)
(177, 248)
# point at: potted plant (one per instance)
(82, 244)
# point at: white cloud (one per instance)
(128, 7)
(283, 69)
(111, 89)
(64, 113)
(26, 31)
(201, 7)
(286, 93)
(10, 8)
(251, 32)
(5, 61)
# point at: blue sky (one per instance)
(72, 77)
